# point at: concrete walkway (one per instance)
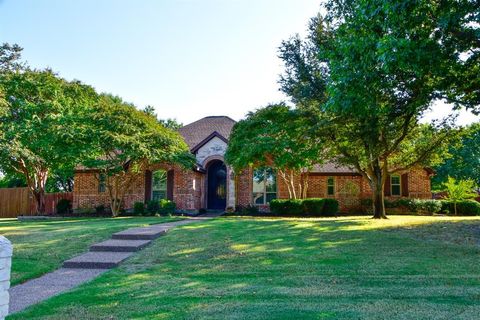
(85, 267)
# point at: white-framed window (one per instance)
(330, 186)
(264, 186)
(159, 185)
(395, 185)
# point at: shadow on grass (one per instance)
(265, 268)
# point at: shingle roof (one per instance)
(332, 167)
(197, 131)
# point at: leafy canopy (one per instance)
(122, 134)
(464, 162)
(275, 136)
(459, 190)
(371, 69)
(41, 130)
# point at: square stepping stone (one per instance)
(117, 245)
(97, 260)
(147, 233)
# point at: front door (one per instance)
(217, 186)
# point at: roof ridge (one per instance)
(208, 117)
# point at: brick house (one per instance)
(213, 185)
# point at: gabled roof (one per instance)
(196, 132)
(208, 138)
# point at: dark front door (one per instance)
(217, 186)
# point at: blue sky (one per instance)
(187, 58)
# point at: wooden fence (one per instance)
(19, 201)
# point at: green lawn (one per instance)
(245, 268)
(42, 246)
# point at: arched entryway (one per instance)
(216, 185)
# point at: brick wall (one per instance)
(188, 186)
(244, 187)
(5, 266)
(350, 189)
(86, 194)
(189, 189)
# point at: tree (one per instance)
(277, 137)
(12, 181)
(126, 142)
(458, 191)
(464, 162)
(371, 69)
(43, 127)
(170, 123)
(10, 57)
(167, 123)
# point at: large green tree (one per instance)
(464, 162)
(371, 69)
(43, 127)
(126, 141)
(277, 137)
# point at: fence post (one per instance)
(5, 266)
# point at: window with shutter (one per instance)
(404, 179)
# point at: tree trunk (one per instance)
(377, 184)
(305, 184)
(378, 203)
(283, 175)
(37, 188)
(39, 196)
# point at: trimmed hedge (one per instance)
(464, 208)
(286, 207)
(330, 208)
(314, 207)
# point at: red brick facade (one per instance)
(208, 139)
(189, 189)
(349, 189)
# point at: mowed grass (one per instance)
(42, 246)
(254, 268)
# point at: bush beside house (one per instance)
(314, 207)
(162, 207)
(425, 207)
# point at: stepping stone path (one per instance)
(85, 267)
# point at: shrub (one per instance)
(138, 208)
(153, 206)
(100, 209)
(82, 211)
(202, 211)
(313, 206)
(166, 207)
(430, 206)
(249, 210)
(64, 206)
(330, 208)
(390, 204)
(464, 207)
(286, 207)
(409, 204)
